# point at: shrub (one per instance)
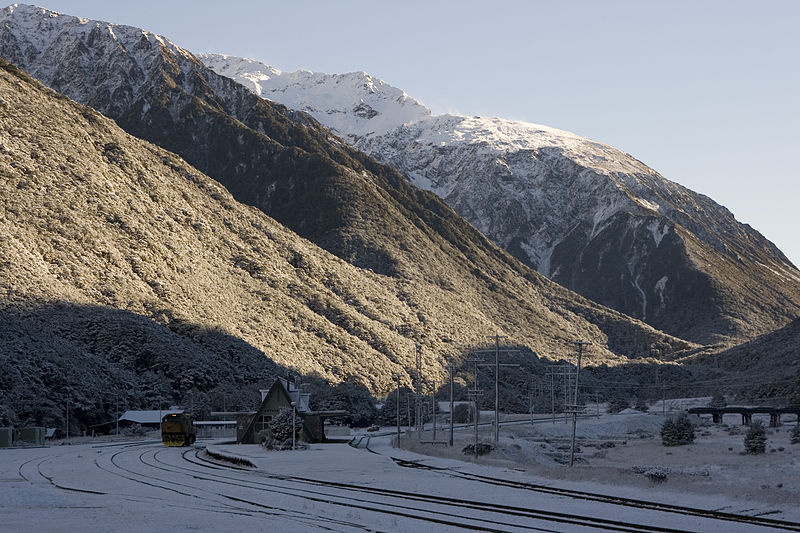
(657, 474)
(617, 404)
(755, 440)
(641, 405)
(717, 401)
(794, 436)
(280, 428)
(461, 413)
(482, 449)
(677, 432)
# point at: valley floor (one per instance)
(615, 451)
(144, 486)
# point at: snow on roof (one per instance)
(148, 417)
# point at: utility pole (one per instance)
(530, 401)
(294, 428)
(450, 366)
(567, 385)
(580, 344)
(474, 394)
(67, 432)
(420, 423)
(117, 415)
(552, 398)
(497, 366)
(597, 402)
(433, 408)
(397, 379)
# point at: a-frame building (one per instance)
(281, 395)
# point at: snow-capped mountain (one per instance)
(583, 213)
(354, 105)
(284, 163)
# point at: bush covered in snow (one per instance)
(717, 401)
(279, 435)
(617, 404)
(677, 432)
(482, 449)
(795, 435)
(755, 440)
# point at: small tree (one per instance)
(755, 440)
(617, 404)
(281, 428)
(461, 413)
(641, 405)
(794, 436)
(677, 432)
(717, 401)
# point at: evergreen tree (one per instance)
(617, 404)
(461, 413)
(755, 441)
(795, 435)
(677, 432)
(281, 427)
(641, 405)
(717, 401)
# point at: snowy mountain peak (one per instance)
(584, 213)
(81, 58)
(41, 29)
(353, 105)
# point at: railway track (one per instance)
(199, 484)
(603, 498)
(511, 516)
(213, 499)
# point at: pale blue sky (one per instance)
(705, 92)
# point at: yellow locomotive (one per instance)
(177, 429)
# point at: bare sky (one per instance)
(705, 92)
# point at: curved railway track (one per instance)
(460, 505)
(199, 483)
(603, 498)
(452, 516)
(211, 498)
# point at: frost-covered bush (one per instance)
(641, 405)
(717, 401)
(657, 474)
(677, 432)
(279, 434)
(755, 440)
(461, 413)
(615, 405)
(482, 449)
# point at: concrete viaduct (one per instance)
(747, 413)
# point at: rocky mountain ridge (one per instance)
(585, 214)
(126, 271)
(412, 272)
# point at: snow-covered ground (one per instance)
(144, 486)
(615, 450)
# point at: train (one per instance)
(177, 429)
